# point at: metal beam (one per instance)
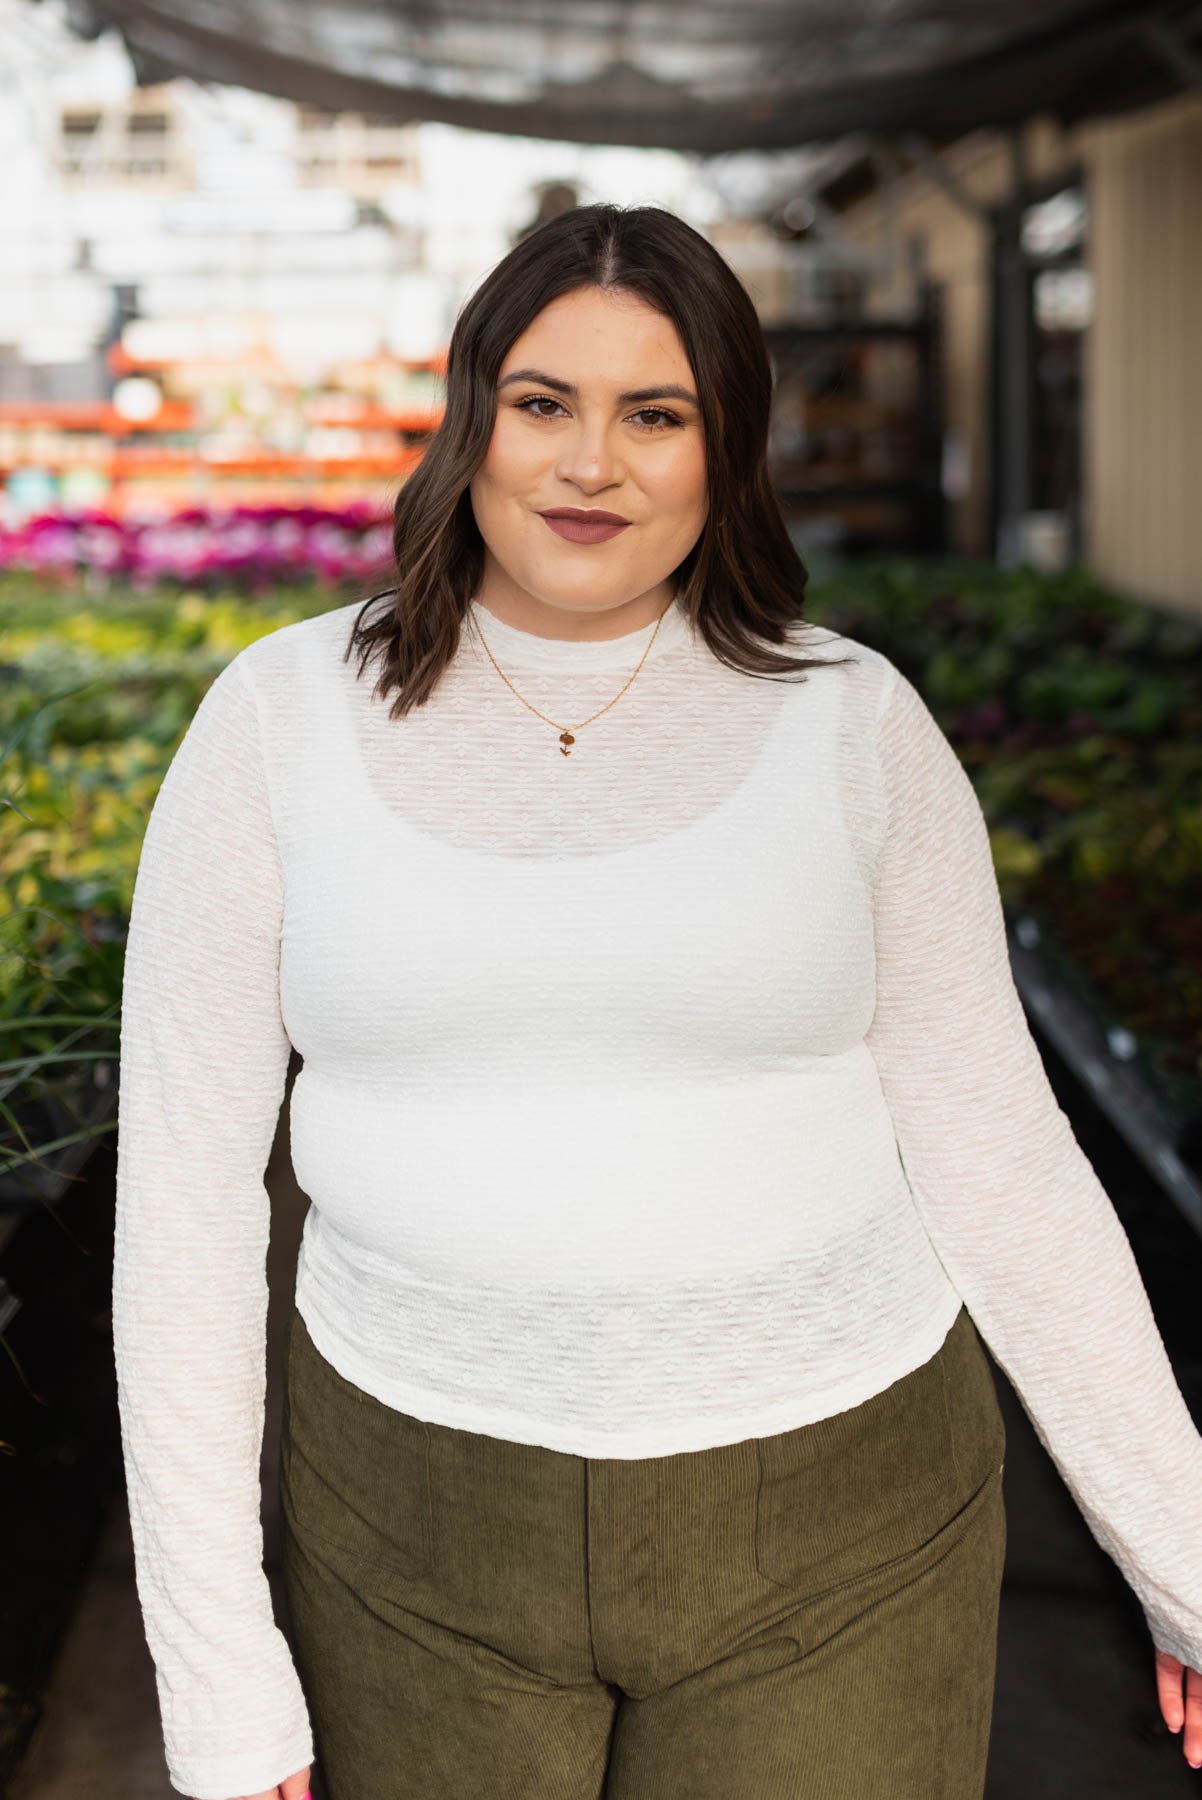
(827, 219)
(1015, 474)
(921, 151)
(888, 167)
(1170, 43)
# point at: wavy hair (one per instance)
(742, 584)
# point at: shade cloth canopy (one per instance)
(701, 75)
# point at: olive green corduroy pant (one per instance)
(811, 1616)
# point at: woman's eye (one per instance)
(658, 412)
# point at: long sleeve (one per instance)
(1012, 1206)
(204, 1059)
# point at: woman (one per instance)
(670, 1122)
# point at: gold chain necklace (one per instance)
(566, 739)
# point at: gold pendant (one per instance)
(565, 738)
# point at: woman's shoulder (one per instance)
(869, 669)
(279, 655)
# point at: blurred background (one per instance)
(233, 245)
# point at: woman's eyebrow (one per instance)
(669, 392)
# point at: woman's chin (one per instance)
(582, 593)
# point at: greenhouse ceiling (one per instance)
(701, 75)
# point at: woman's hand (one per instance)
(1176, 1710)
(294, 1787)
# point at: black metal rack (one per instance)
(914, 514)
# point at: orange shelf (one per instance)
(120, 361)
(138, 464)
(149, 462)
(97, 415)
(378, 416)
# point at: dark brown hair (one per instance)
(742, 584)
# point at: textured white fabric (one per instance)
(654, 1097)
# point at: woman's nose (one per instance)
(588, 457)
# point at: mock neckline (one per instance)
(528, 649)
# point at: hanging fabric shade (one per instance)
(701, 75)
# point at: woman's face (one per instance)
(596, 410)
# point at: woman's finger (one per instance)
(1169, 1672)
(1193, 1717)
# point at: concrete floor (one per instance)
(1075, 1710)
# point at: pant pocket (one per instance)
(843, 1495)
(354, 1472)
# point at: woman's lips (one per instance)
(581, 531)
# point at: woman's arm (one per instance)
(204, 1058)
(1013, 1207)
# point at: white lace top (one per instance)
(657, 1096)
